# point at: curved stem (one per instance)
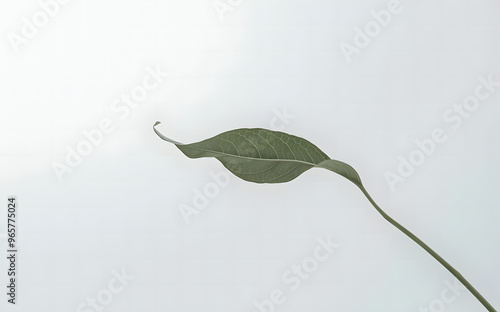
(452, 270)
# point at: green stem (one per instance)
(452, 270)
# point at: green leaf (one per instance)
(264, 156)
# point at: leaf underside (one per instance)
(264, 156)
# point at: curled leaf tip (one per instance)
(158, 133)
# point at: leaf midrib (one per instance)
(251, 158)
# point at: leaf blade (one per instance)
(263, 156)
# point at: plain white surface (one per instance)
(119, 209)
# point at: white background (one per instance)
(119, 208)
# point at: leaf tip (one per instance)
(162, 136)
